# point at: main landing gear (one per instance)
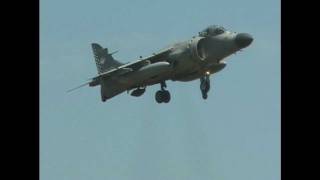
(162, 95)
(205, 85)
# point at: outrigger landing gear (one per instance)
(138, 92)
(205, 86)
(162, 95)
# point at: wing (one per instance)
(109, 80)
(133, 66)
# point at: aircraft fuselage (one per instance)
(196, 58)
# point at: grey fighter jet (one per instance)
(189, 60)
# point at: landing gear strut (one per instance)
(162, 95)
(205, 86)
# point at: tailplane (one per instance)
(103, 59)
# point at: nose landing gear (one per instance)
(162, 95)
(205, 85)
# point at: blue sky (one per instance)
(234, 134)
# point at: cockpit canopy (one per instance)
(212, 30)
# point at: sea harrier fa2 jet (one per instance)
(189, 60)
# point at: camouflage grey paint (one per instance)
(183, 61)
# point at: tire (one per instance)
(202, 86)
(207, 86)
(166, 96)
(204, 95)
(158, 97)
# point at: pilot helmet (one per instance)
(212, 31)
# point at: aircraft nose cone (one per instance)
(243, 40)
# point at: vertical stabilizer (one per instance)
(103, 59)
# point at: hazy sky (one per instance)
(233, 135)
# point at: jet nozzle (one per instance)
(243, 40)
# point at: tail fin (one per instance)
(103, 59)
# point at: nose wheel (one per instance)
(205, 86)
(163, 95)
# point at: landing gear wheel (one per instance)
(204, 95)
(158, 96)
(204, 90)
(205, 86)
(166, 96)
(162, 96)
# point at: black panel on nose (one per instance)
(243, 40)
